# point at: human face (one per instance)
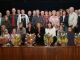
(54, 13)
(6, 18)
(64, 13)
(21, 25)
(42, 13)
(70, 29)
(50, 14)
(29, 25)
(71, 9)
(37, 12)
(7, 12)
(22, 12)
(49, 25)
(58, 14)
(34, 13)
(46, 13)
(29, 13)
(14, 31)
(61, 28)
(13, 10)
(18, 11)
(38, 25)
(79, 11)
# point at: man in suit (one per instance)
(64, 21)
(72, 21)
(1, 21)
(37, 18)
(78, 25)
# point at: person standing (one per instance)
(1, 21)
(37, 18)
(30, 16)
(23, 18)
(64, 21)
(13, 19)
(78, 24)
(72, 22)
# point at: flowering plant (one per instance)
(16, 39)
(77, 39)
(48, 39)
(62, 39)
(30, 38)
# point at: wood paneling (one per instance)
(40, 53)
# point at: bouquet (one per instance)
(62, 39)
(3, 40)
(77, 39)
(48, 39)
(16, 40)
(30, 38)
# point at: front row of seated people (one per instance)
(39, 31)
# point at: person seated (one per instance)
(30, 29)
(6, 34)
(22, 31)
(39, 31)
(51, 31)
(3, 27)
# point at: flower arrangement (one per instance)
(77, 39)
(48, 39)
(16, 40)
(3, 40)
(62, 39)
(30, 39)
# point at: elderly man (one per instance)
(72, 18)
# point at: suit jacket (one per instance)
(65, 20)
(36, 20)
(73, 19)
(10, 17)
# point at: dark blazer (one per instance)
(31, 31)
(40, 41)
(65, 20)
(78, 23)
(10, 17)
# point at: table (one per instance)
(40, 53)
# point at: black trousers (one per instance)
(23, 39)
(54, 40)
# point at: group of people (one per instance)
(41, 22)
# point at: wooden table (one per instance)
(40, 53)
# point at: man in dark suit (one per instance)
(78, 24)
(64, 21)
(13, 19)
